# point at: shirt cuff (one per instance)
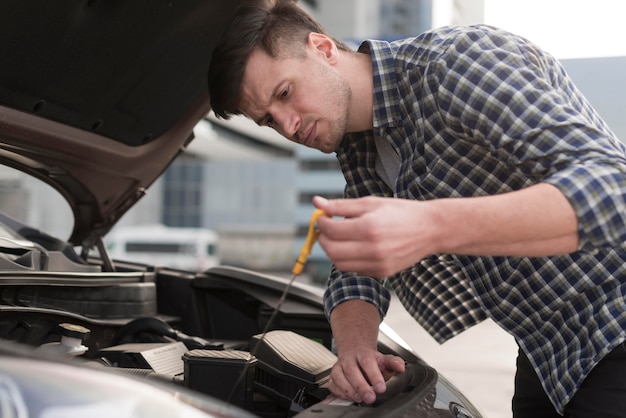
(346, 286)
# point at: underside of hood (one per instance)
(97, 97)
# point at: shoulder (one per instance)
(444, 43)
(450, 41)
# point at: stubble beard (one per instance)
(340, 90)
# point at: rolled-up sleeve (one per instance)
(597, 192)
(346, 286)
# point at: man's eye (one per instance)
(284, 93)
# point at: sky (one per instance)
(565, 28)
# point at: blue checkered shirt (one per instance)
(477, 111)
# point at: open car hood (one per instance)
(98, 97)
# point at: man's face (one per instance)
(306, 100)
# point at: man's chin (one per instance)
(325, 148)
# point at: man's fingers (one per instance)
(340, 386)
(346, 208)
(357, 256)
(359, 379)
(349, 383)
(391, 365)
(340, 229)
(361, 385)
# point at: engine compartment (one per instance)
(225, 333)
(199, 331)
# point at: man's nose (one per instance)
(288, 122)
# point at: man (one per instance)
(480, 183)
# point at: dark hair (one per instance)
(280, 28)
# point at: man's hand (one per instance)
(377, 236)
(361, 373)
(380, 236)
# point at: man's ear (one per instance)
(323, 45)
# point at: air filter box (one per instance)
(289, 363)
(216, 372)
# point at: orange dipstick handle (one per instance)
(308, 244)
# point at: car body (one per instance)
(97, 98)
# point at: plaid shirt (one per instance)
(477, 111)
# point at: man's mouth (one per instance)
(309, 136)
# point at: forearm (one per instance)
(537, 221)
(355, 322)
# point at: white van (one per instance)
(182, 248)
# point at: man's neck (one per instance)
(357, 70)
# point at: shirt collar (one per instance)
(386, 96)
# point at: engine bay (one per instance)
(227, 333)
(195, 330)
